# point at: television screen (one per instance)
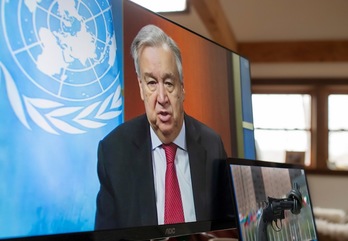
(67, 80)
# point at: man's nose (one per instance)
(162, 94)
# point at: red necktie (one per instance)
(173, 210)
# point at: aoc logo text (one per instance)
(170, 231)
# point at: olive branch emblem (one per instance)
(54, 117)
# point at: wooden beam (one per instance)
(213, 17)
(295, 51)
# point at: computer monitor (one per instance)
(272, 201)
(66, 80)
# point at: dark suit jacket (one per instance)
(127, 196)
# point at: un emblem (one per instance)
(61, 68)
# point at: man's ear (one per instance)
(183, 91)
(141, 89)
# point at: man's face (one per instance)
(162, 92)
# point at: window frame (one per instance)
(319, 90)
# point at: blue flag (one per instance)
(61, 84)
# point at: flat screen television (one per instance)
(66, 80)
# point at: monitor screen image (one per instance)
(67, 80)
(272, 201)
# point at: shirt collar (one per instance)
(180, 140)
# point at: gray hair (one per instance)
(153, 36)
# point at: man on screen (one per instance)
(132, 159)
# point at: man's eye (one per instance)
(152, 84)
(169, 84)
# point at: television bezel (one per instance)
(153, 232)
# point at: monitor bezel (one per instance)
(153, 232)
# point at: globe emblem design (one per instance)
(67, 49)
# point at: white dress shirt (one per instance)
(182, 167)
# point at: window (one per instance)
(304, 119)
(282, 125)
(338, 131)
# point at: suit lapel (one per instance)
(197, 159)
(144, 174)
(144, 171)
